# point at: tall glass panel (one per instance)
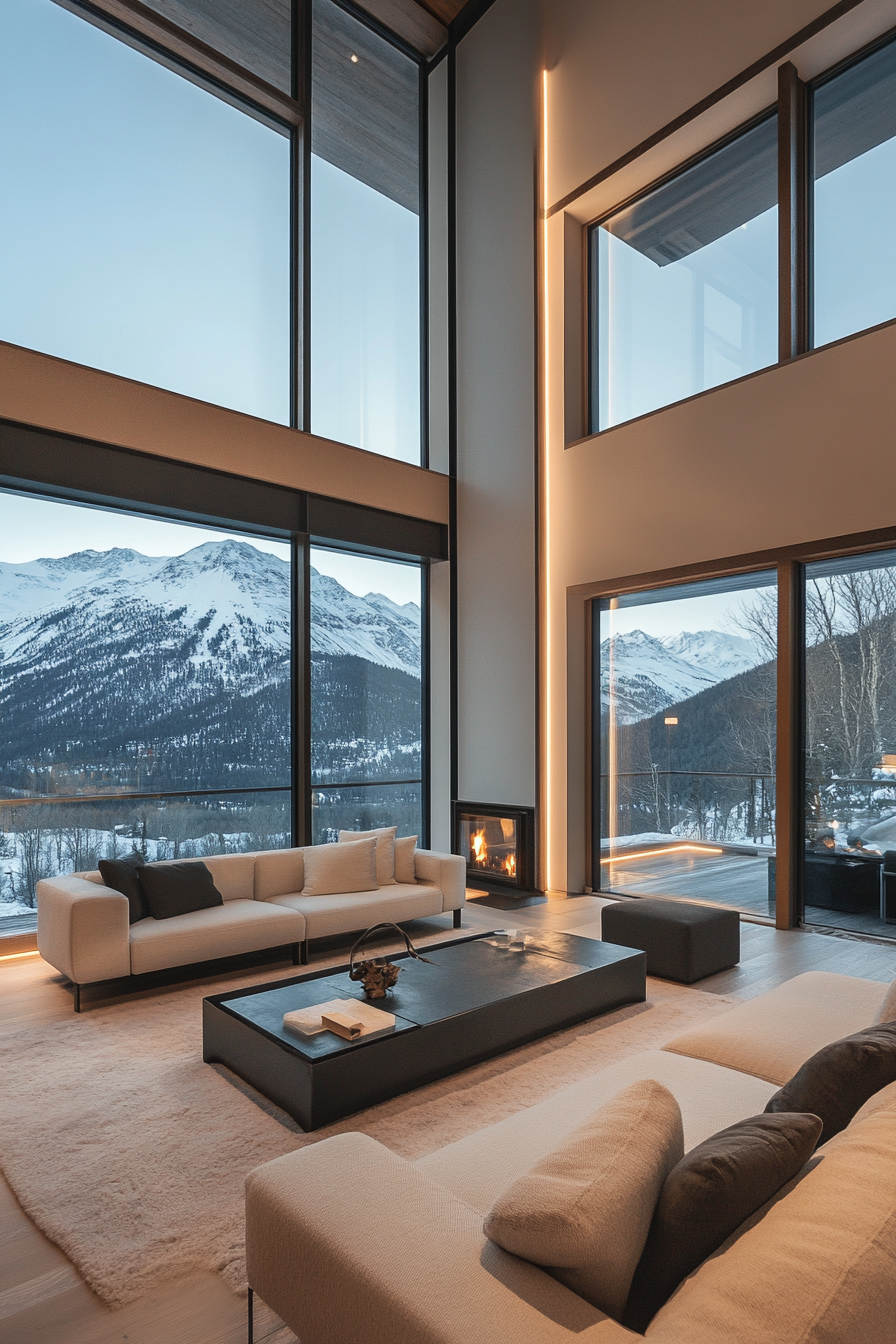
(145, 222)
(854, 121)
(849, 878)
(685, 283)
(144, 658)
(684, 715)
(366, 707)
(365, 238)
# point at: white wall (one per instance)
(497, 127)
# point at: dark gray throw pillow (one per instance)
(178, 888)
(840, 1078)
(122, 875)
(714, 1189)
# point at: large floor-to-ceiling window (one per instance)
(150, 688)
(366, 700)
(227, 205)
(145, 686)
(146, 221)
(365, 238)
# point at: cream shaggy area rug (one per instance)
(130, 1153)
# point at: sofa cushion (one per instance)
(772, 1036)
(385, 850)
(710, 1193)
(334, 869)
(346, 912)
(840, 1078)
(121, 875)
(279, 872)
(178, 888)
(232, 874)
(816, 1267)
(584, 1210)
(887, 1010)
(479, 1167)
(223, 931)
(405, 848)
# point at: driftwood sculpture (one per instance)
(377, 974)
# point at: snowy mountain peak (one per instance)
(649, 674)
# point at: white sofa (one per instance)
(83, 929)
(348, 1242)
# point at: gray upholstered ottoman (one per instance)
(682, 941)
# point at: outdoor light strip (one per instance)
(11, 956)
(670, 849)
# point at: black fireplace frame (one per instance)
(524, 881)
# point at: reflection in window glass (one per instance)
(855, 198)
(849, 875)
(145, 222)
(366, 724)
(685, 713)
(170, 671)
(365, 239)
(684, 283)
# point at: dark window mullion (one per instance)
(793, 214)
(789, 746)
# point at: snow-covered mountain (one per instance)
(712, 650)
(177, 668)
(227, 598)
(649, 674)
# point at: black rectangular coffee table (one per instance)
(476, 1001)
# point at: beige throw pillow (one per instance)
(405, 849)
(331, 870)
(584, 1211)
(887, 1010)
(385, 851)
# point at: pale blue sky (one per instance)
(35, 529)
(145, 231)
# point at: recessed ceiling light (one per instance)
(354, 59)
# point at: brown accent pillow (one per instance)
(840, 1078)
(173, 889)
(714, 1189)
(122, 875)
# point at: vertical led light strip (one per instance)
(548, 783)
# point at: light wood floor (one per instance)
(44, 1301)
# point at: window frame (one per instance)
(180, 51)
(795, 231)
(790, 563)
(81, 471)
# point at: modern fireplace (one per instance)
(498, 844)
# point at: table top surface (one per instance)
(464, 976)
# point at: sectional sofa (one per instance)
(83, 926)
(347, 1241)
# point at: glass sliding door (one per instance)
(145, 685)
(366, 703)
(684, 742)
(850, 744)
(365, 238)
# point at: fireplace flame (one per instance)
(510, 865)
(479, 847)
